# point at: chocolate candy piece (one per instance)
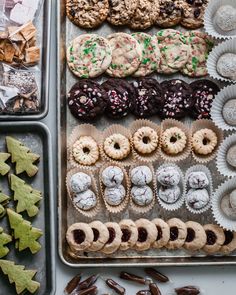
(187, 290)
(133, 278)
(89, 291)
(88, 282)
(154, 289)
(153, 273)
(115, 286)
(144, 292)
(72, 284)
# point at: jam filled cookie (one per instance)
(178, 233)
(100, 234)
(114, 241)
(79, 236)
(163, 233)
(142, 196)
(129, 234)
(117, 146)
(204, 141)
(85, 151)
(112, 176)
(147, 99)
(87, 100)
(145, 140)
(230, 242)
(174, 141)
(87, 14)
(147, 234)
(215, 238)
(196, 236)
(141, 175)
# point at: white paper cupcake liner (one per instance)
(221, 98)
(218, 215)
(222, 166)
(209, 188)
(209, 20)
(228, 46)
(175, 206)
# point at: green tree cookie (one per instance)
(4, 240)
(4, 168)
(26, 196)
(19, 276)
(22, 156)
(3, 202)
(26, 235)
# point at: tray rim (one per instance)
(41, 126)
(47, 7)
(118, 262)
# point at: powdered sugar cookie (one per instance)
(126, 55)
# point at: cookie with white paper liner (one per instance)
(182, 185)
(93, 211)
(210, 24)
(224, 221)
(209, 188)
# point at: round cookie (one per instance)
(150, 54)
(86, 200)
(126, 55)
(147, 99)
(169, 195)
(215, 238)
(174, 51)
(174, 140)
(118, 92)
(129, 234)
(87, 100)
(196, 236)
(168, 176)
(145, 14)
(194, 13)
(226, 66)
(141, 175)
(101, 236)
(142, 195)
(178, 233)
(87, 14)
(112, 176)
(117, 146)
(227, 208)
(163, 233)
(197, 199)
(79, 236)
(114, 241)
(145, 140)
(121, 11)
(177, 99)
(80, 182)
(204, 141)
(229, 112)
(232, 199)
(147, 233)
(89, 55)
(225, 18)
(197, 179)
(204, 92)
(171, 12)
(231, 156)
(230, 242)
(114, 196)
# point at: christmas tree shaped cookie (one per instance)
(25, 195)
(23, 279)
(22, 156)
(24, 233)
(3, 202)
(4, 168)
(4, 240)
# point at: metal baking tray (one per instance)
(37, 137)
(43, 26)
(67, 215)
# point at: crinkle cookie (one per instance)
(197, 179)
(100, 234)
(174, 140)
(114, 196)
(198, 199)
(168, 176)
(126, 55)
(150, 54)
(129, 234)
(87, 14)
(215, 238)
(178, 233)
(112, 176)
(145, 14)
(89, 55)
(169, 195)
(174, 51)
(194, 13)
(226, 66)
(86, 200)
(196, 236)
(80, 182)
(142, 195)
(145, 140)
(120, 11)
(163, 233)
(117, 146)
(141, 175)
(204, 141)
